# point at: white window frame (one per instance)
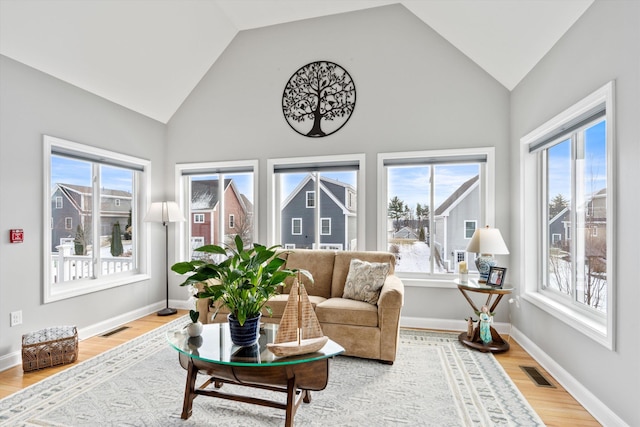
(198, 218)
(475, 227)
(322, 221)
(310, 199)
(59, 291)
(183, 250)
(58, 202)
(295, 221)
(487, 200)
(273, 211)
(68, 223)
(600, 329)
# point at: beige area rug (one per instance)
(434, 382)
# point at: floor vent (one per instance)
(536, 376)
(115, 331)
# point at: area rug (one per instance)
(435, 381)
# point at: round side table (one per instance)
(494, 295)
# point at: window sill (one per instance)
(56, 292)
(587, 325)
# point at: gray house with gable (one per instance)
(337, 204)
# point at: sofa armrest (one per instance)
(392, 293)
(389, 307)
(202, 306)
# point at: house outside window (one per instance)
(314, 203)
(434, 201)
(569, 159)
(220, 197)
(92, 244)
(117, 202)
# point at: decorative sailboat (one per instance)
(299, 331)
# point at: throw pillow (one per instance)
(364, 280)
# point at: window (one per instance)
(229, 207)
(92, 244)
(314, 203)
(296, 226)
(433, 203)
(470, 228)
(325, 226)
(311, 199)
(117, 202)
(567, 164)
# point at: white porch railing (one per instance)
(66, 267)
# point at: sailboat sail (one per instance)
(299, 331)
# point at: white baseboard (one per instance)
(13, 359)
(591, 403)
(446, 324)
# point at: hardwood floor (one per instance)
(555, 406)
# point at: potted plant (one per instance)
(194, 329)
(243, 282)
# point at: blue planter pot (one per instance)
(246, 334)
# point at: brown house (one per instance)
(205, 208)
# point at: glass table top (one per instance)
(214, 345)
(473, 284)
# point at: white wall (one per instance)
(414, 92)
(603, 45)
(33, 104)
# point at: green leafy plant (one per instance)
(243, 282)
(194, 314)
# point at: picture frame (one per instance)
(496, 276)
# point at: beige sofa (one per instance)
(363, 329)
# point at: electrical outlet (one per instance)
(16, 318)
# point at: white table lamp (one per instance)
(486, 242)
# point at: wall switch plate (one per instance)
(16, 318)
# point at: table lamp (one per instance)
(165, 212)
(486, 242)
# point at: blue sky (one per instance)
(78, 172)
(595, 168)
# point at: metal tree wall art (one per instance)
(319, 99)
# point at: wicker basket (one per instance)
(49, 347)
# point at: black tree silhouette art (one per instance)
(322, 93)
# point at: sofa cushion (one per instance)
(279, 302)
(364, 281)
(343, 262)
(347, 312)
(319, 263)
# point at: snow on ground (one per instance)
(413, 257)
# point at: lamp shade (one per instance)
(487, 241)
(164, 212)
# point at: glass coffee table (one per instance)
(213, 354)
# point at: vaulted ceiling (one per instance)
(148, 55)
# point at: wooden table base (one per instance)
(497, 344)
(297, 381)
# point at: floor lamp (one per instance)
(165, 212)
